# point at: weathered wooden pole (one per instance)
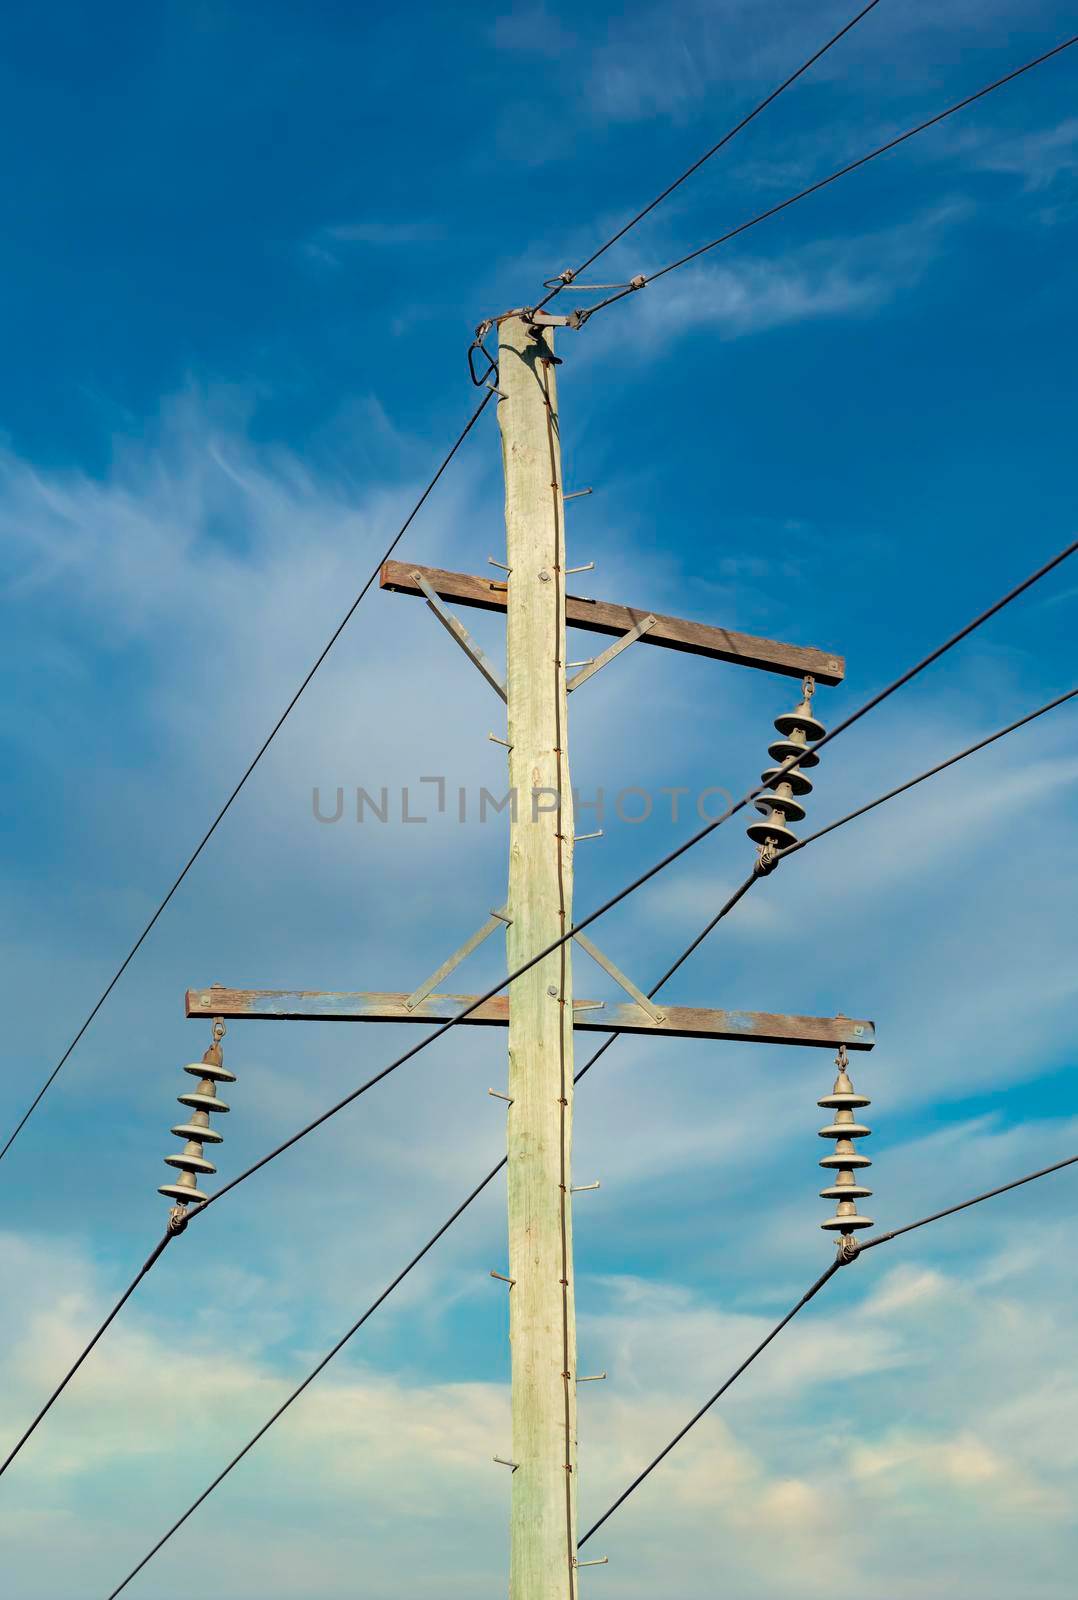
(542, 1324)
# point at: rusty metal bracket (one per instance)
(456, 629)
(609, 654)
(497, 919)
(619, 978)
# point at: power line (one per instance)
(648, 874)
(570, 276)
(150, 1261)
(467, 429)
(211, 830)
(941, 766)
(441, 469)
(238, 1457)
(689, 950)
(309, 1379)
(727, 906)
(763, 104)
(706, 1407)
(643, 280)
(638, 1480)
(963, 1205)
(851, 816)
(491, 1175)
(856, 1249)
(155, 1255)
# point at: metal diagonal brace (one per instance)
(608, 655)
(497, 919)
(619, 978)
(459, 632)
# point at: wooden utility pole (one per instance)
(542, 1327)
(539, 1010)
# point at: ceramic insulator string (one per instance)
(845, 1160)
(196, 1129)
(782, 804)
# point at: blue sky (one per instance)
(245, 250)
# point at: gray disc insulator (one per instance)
(843, 1096)
(844, 1127)
(190, 1158)
(182, 1191)
(210, 1069)
(845, 1156)
(801, 717)
(203, 1098)
(772, 827)
(846, 1219)
(843, 1102)
(197, 1130)
(783, 749)
(845, 1191)
(781, 800)
(775, 777)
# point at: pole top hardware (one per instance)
(549, 319)
(534, 317)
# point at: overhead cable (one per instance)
(643, 279)
(809, 1294)
(855, 1248)
(569, 277)
(690, 948)
(219, 818)
(151, 1260)
(646, 876)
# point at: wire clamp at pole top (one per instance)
(535, 318)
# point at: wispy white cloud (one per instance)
(331, 245)
(861, 1401)
(387, 233)
(209, 556)
(851, 277)
(1038, 158)
(532, 29)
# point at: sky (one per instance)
(245, 251)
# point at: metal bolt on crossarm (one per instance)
(846, 1158)
(781, 805)
(196, 1130)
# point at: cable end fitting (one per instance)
(767, 858)
(849, 1248)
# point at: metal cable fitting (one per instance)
(845, 1159)
(536, 320)
(489, 376)
(565, 278)
(799, 729)
(767, 858)
(191, 1160)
